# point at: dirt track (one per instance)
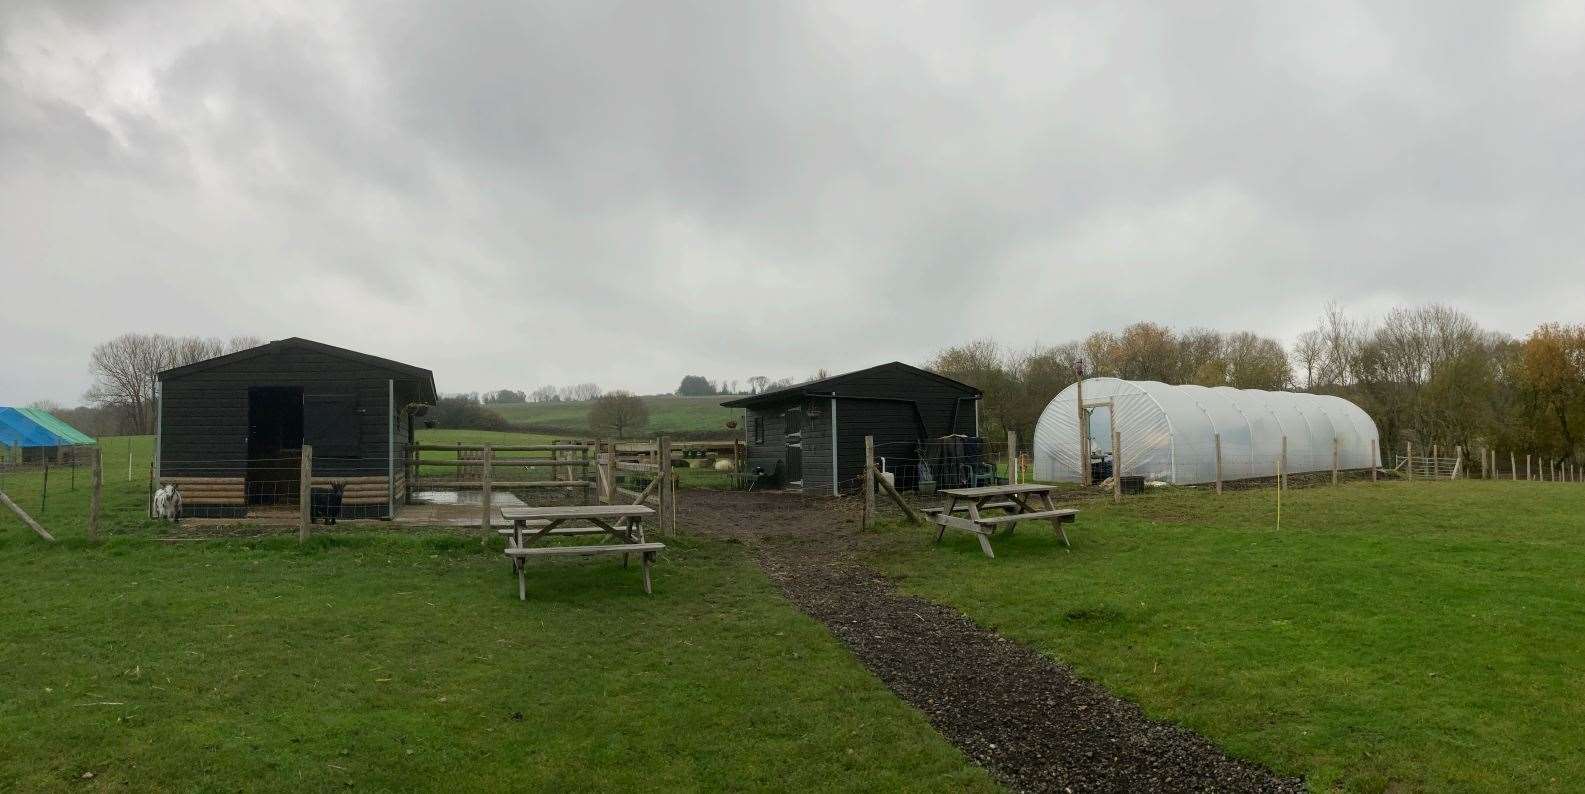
(1029, 720)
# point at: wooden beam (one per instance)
(26, 519)
(1335, 445)
(908, 509)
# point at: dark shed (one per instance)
(230, 430)
(790, 431)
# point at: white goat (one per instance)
(168, 503)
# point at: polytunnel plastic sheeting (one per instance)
(1169, 433)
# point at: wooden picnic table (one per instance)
(622, 524)
(1026, 502)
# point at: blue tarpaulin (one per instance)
(19, 428)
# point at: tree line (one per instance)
(1426, 374)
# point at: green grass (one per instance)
(696, 417)
(1403, 636)
(396, 661)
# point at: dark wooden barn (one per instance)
(231, 430)
(789, 432)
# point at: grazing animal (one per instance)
(326, 503)
(168, 503)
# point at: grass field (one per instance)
(1398, 637)
(1393, 637)
(375, 660)
(695, 417)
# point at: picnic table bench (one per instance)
(622, 524)
(1027, 502)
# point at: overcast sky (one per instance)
(515, 195)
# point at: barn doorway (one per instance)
(275, 444)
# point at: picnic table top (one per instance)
(997, 490)
(565, 512)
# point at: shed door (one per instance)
(331, 425)
(792, 423)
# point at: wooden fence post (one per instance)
(1218, 438)
(1282, 467)
(129, 459)
(1084, 434)
(1117, 468)
(305, 493)
(1458, 461)
(663, 450)
(1334, 459)
(587, 474)
(1280, 476)
(1373, 465)
(486, 492)
(1513, 466)
(1408, 449)
(1527, 477)
(1012, 457)
(94, 499)
(869, 482)
(610, 476)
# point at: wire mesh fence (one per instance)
(920, 471)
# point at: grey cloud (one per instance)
(738, 188)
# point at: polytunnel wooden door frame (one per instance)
(1085, 408)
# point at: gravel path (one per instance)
(1029, 720)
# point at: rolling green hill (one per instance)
(694, 417)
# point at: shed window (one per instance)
(757, 425)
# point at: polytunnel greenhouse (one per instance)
(1170, 433)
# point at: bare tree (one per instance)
(757, 384)
(1307, 351)
(618, 413)
(126, 370)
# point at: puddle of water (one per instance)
(497, 498)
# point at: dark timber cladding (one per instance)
(789, 432)
(244, 418)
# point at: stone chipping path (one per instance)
(1029, 720)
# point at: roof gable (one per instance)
(834, 383)
(424, 376)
